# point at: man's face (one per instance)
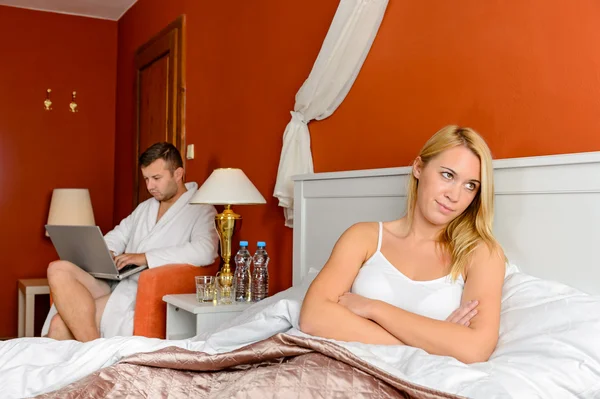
(160, 181)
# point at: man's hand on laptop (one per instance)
(130, 259)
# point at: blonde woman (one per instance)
(432, 279)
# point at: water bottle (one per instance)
(260, 276)
(241, 281)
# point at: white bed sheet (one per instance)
(549, 347)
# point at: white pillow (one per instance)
(510, 269)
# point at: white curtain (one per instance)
(344, 50)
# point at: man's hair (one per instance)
(165, 151)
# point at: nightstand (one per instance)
(186, 317)
(28, 289)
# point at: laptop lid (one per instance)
(85, 247)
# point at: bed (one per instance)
(548, 221)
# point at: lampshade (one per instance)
(228, 186)
(71, 206)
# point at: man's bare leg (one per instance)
(75, 292)
(58, 329)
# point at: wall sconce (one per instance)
(47, 101)
(73, 105)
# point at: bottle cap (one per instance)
(261, 244)
(243, 243)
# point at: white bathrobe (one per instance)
(184, 234)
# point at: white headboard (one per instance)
(547, 214)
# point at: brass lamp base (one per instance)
(226, 223)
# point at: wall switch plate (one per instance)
(190, 151)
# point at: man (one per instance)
(164, 229)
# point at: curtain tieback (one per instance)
(298, 117)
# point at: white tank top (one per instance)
(379, 279)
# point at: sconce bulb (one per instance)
(73, 104)
(47, 101)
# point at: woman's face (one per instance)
(447, 184)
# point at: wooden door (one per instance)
(160, 96)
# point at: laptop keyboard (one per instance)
(126, 268)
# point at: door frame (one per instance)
(169, 40)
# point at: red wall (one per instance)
(42, 150)
(523, 73)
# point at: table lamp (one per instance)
(71, 207)
(227, 186)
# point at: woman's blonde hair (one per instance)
(464, 233)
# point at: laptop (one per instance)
(85, 247)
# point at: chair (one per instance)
(150, 311)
